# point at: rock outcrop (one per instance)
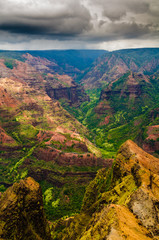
(74, 95)
(21, 213)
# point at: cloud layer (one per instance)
(89, 22)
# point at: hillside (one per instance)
(43, 75)
(39, 138)
(128, 107)
(119, 204)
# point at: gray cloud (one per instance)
(120, 31)
(121, 7)
(80, 21)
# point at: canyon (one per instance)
(75, 143)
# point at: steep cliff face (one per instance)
(21, 212)
(121, 203)
(25, 112)
(6, 99)
(74, 95)
(128, 96)
(5, 139)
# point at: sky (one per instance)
(78, 24)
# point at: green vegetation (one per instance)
(60, 184)
(127, 118)
(85, 112)
(20, 162)
(10, 63)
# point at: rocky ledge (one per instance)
(21, 212)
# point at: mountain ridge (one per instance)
(113, 65)
(120, 203)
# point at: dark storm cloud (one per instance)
(67, 19)
(57, 27)
(21, 28)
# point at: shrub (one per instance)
(10, 63)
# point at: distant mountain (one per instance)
(112, 65)
(79, 59)
(70, 62)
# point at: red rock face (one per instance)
(66, 151)
(150, 66)
(32, 108)
(153, 132)
(150, 146)
(130, 150)
(106, 121)
(57, 85)
(151, 143)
